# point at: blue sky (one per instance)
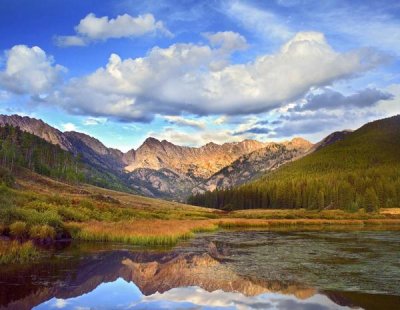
(193, 72)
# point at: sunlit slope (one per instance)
(361, 171)
(373, 145)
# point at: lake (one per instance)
(222, 270)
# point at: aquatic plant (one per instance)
(15, 252)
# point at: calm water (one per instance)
(224, 270)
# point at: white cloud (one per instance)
(93, 28)
(182, 121)
(195, 139)
(221, 120)
(69, 127)
(227, 40)
(182, 79)
(60, 303)
(29, 71)
(92, 121)
(65, 41)
(200, 298)
(263, 22)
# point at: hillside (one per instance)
(160, 168)
(362, 170)
(21, 149)
(251, 166)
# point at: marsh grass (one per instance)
(15, 252)
(170, 232)
(316, 223)
(307, 214)
(141, 232)
(91, 213)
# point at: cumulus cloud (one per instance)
(331, 99)
(181, 121)
(195, 138)
(182, 79)
(92, 28)
(69, 127)
(196, 297)
(28, 70)
(227, 40)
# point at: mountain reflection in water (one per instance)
(126, 295)
(209, 272)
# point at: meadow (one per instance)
(38, 210)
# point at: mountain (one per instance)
(332, 138)
(195, 162)
(359, 170)
(22, 149)
(37, 128)
(250, 166)
(163, 169)
(95, 152)
(161, 183)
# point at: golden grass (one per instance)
(309, 214)
(227, 223)
(390, 211)
(97, 214)
(141, 232)
(15, 252)
(169, 232)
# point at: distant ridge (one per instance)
(347, 170)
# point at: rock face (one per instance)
(162, 169)
(249, 166)
(37, 128)
(199, 162)
(94, 152)
(162, 183)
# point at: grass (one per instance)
(141, 232)
(90, 213)
(321, 223)
(169, 232)
(310, 214)
(15, 252)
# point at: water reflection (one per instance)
(126, 295)
(225, 270)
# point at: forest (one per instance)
(362, 171)
(22, 149)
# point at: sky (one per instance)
(194, 72)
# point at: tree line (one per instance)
(22, 149)
(369, 189)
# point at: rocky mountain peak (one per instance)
(298, 143)
(38, 128)
(91, 142)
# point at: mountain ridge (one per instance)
(361, 169)
(156, 168)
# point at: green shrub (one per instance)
(42, 232)
(73, 214)
(86, 204)
(18, 229)
(6, 177)
(33, 217)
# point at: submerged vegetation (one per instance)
(15, 252)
